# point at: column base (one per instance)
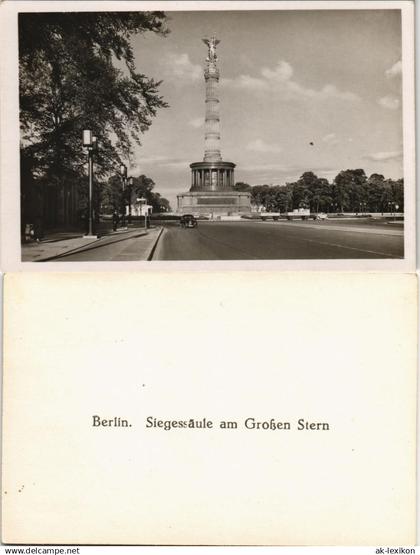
(211, 204)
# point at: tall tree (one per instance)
(392, 195)
(261, 196)
(350, 189)
(282, 199)
(303, 190)
(114, 198)
(375, 191)
(77, 71)
(242, 187)
(143, 188)
(321, 195)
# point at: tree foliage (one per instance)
(242, 187)
(113, 197)
(350, 191)
(77, 71)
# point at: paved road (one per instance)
(278, 240)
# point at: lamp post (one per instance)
(123, 172)
(141, 201)
(130, 188)
(127, 183)
(90, 142)
(394, 207)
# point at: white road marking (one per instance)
(374, 231)
(352, 248)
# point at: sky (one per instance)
(287, 79)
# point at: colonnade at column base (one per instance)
(212, 175)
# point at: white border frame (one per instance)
(10, 247)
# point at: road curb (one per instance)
(153, 247)
(51, 258)
(81, 248)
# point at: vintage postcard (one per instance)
(208, 250)
(251, 135)
(207, 408)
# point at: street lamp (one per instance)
(141, 201)
(90, 142)
(130, 181)
(123, 172)
(130, 188)
(394, 206)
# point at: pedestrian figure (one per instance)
(115, 220)
(38, 232)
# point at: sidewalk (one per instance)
(58, 245)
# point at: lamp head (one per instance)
(87, 137)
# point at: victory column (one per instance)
(212, 180)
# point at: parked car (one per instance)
(188, 220)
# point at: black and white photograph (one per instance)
(212, 135)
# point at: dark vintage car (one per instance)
(188, 220)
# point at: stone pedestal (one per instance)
(214, 203)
